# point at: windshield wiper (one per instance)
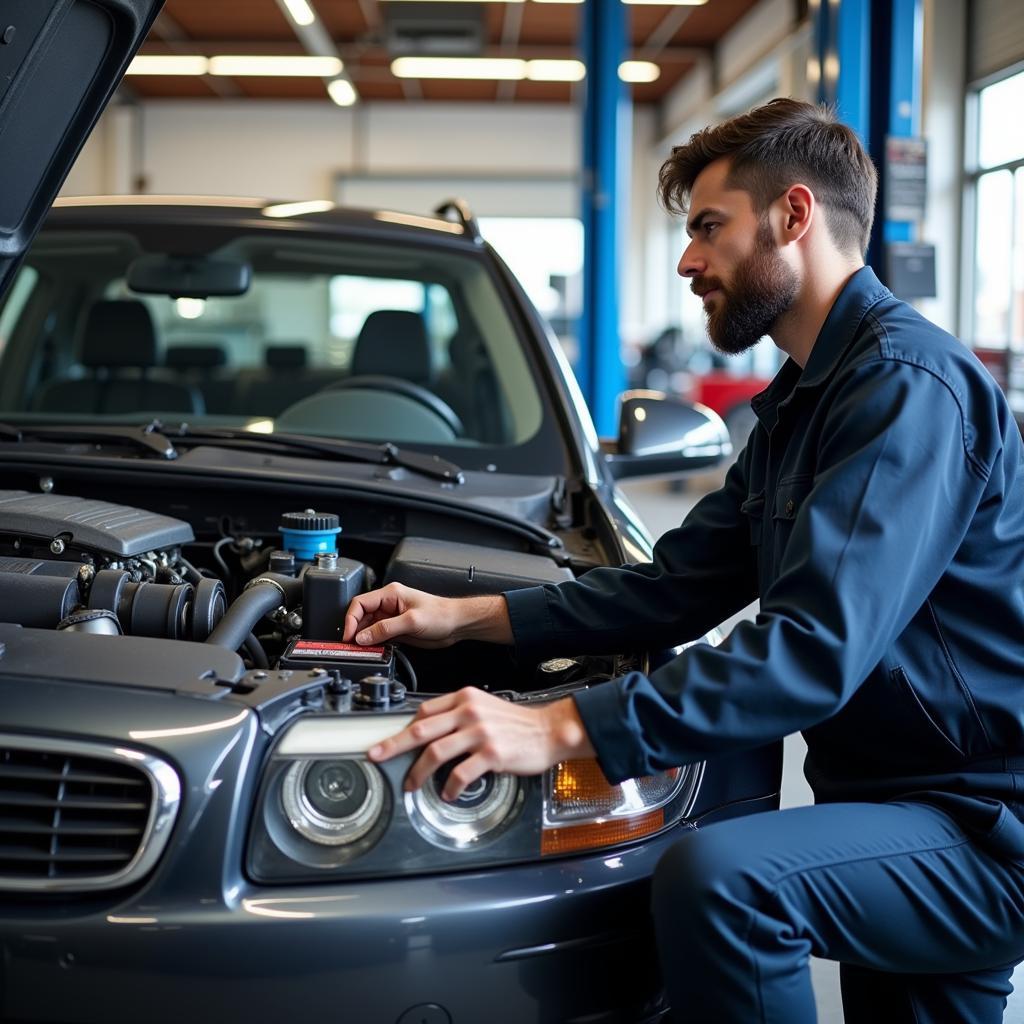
(148, 437)
(386, 454)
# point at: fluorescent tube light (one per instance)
(167, 64)
(668, 3)
(273, 67)
(639, 71)
(300, 12)
(342, 92)
(555, 70)
(493, 68)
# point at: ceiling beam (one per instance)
(511, 26)
(315, 39)
(178, 41)
(666, 29)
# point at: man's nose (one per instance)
(690, 263)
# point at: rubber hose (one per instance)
(254, 649)
(245, 611)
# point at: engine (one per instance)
(82, 565)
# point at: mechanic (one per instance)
(877, 511)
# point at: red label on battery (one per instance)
(336, 651)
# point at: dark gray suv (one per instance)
(221, 420)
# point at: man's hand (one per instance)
(494, 734)
(397, 612)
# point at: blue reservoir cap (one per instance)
(307, 534)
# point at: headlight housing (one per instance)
(324, 810)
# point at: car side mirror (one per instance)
(660, 434)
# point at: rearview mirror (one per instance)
(660, 434)
(190, 277)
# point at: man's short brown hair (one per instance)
(777, 145)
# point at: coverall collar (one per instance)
(862, 291)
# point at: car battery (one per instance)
(351, 660)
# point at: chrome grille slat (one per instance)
(80, 816)
(76, 829)
(45, 775)
(71, 803)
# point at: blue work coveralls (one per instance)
(877, 511)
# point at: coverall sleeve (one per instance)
(892, 498)
(701, 573)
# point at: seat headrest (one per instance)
(187, 357)
(393, 342)
(466, 348)
(119, 332)
(285, 356)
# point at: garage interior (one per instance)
(544, 169)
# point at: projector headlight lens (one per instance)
(481, 811)
(332, 803)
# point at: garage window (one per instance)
(995, 306)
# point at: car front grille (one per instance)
(79, 816)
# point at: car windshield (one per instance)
(337, 336)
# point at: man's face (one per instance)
(734, 264)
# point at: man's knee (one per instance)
(698, 871)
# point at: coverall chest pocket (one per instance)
(790, 496)
(753, 509)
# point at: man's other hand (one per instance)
(397, 612)
(493, 735)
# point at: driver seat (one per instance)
(393, 343)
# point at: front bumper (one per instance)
(561, 942)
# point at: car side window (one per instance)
(17, 299)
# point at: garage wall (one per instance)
(297, 150)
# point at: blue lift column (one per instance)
(607, 152)
(867, 59)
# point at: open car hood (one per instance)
(60, 61)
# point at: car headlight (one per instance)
(324, 810)
(480, 812)
(582, 810)
(333, 803)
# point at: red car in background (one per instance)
(698, 373)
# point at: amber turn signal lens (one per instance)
(582, 781)
(598, 834)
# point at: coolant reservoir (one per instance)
(309, 533)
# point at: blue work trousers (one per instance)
(927, 925)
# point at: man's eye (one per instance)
(709, 226)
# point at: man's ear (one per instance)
(795, 211)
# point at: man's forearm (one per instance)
(484, 618)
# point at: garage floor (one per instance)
(661, 508)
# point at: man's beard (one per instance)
(764, 287)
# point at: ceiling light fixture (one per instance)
(638, 71)
(342, 92)
(276, 67)
(300, 12)
(488, 68)
(555, 70)
(167, 64)
(667, 3)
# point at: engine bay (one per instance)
(81, 565)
